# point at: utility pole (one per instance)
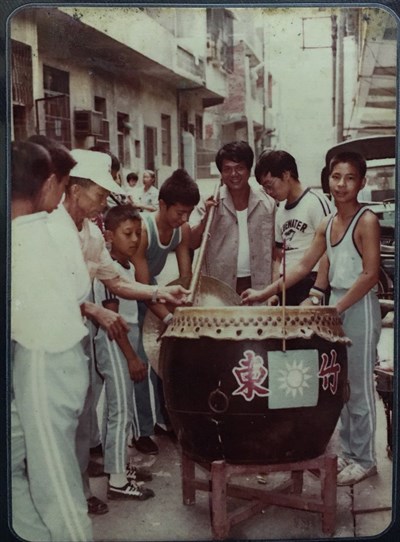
(248, 108)
(340, 77)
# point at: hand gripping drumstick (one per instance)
(194, 283)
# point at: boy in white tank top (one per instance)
(351, 238)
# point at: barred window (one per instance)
(21, 74)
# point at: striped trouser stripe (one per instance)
(116, 359)
(369, 356)
(39, 394)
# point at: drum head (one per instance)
(211, 293)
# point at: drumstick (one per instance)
(194, 284)
(284, 295)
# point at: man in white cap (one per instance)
(86, 196)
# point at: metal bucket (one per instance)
(243, 386)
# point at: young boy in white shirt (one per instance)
(123, 227)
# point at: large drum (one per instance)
(255, 385)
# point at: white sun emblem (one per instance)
(294, 378)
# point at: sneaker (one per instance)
(138, 474)
(130, 491)
(145, 445)
(354, 473)
(342, 463)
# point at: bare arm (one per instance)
(322, 280)
(367, 239)
(113, 323)
(142, 292)
(142, 274)
(183, 253)
(137, 369)
(139, 260)
(276, 262)
(293, 276)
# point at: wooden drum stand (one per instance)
(219, 488)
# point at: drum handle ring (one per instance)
(219, 397)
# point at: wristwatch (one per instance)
(315, 300)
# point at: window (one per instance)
(199, 127)
(150, 147)
(123, 129)
(138, 151)
(55, 82)
(166, 139)
(100, 105)
(185, 121)
(53, 111)
(21, 73)
(22, 87)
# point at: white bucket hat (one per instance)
(95, 166)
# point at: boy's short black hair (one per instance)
(276, 163)
(179, 188)
(133, 176)
(120, 213)
(60, 155)
(31, 166)
(237, 151)
(354, 158)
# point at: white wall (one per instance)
(302, 94)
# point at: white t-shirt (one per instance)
(297, 222)
(64, 232)
(45, 312)
(243, 260)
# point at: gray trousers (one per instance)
(26, 520)
(49, 394)
(88, 434)
(362, 324)
(118, 405)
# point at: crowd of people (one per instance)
(86, 252)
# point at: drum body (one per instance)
(241, 386)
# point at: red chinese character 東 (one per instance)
(250, 375)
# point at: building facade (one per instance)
(134, 80)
